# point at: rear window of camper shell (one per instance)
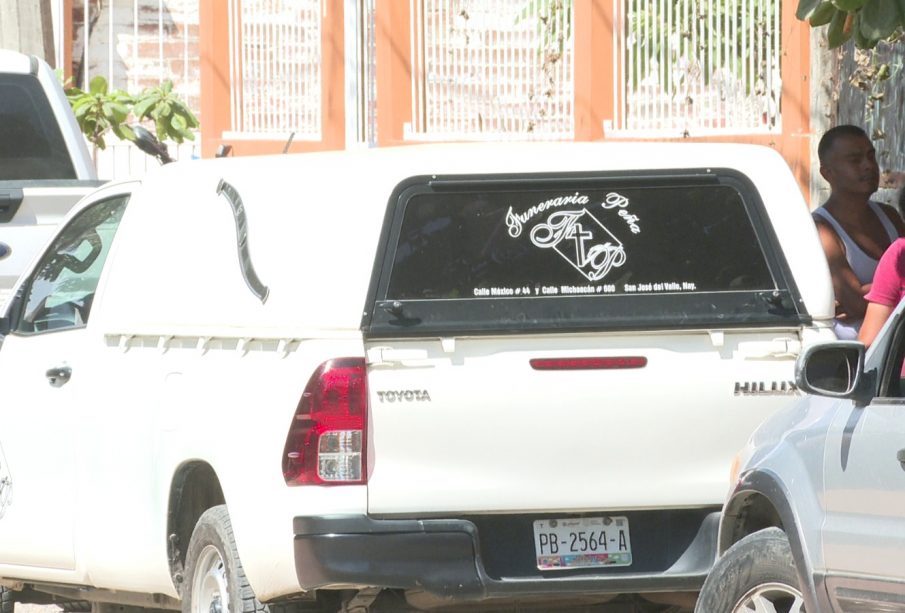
(579, 251)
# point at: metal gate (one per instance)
(698, 67)
(492, 69)
(275, 69)
(481, 69)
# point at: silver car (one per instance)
(815, 519)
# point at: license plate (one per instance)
(582, 542)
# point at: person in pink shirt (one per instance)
(887, 290)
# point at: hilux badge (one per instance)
(766, 388)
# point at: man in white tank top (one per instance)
(853, 229)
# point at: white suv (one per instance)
(816, 518)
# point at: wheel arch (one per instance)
(194, 489)
(759, 501)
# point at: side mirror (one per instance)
(147, 142)
(833, 369)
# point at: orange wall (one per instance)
(595, 99)
(215, 85)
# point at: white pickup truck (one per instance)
(45, 167)
(423, 376)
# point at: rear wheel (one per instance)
(215, 580)
(756, 574)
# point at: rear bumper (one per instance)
(444, 557)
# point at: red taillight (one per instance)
(588, 363)
(327, 439)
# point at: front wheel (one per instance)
(756, 574)
(215, 580)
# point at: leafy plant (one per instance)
(702, 34)
(100, 110)
(867, 22)
(171, 117)
(554, 23)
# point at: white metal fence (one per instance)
(492, 69)
(698, 66)
(361, 88)
(481, 69)
(503, 68)
(275, 69)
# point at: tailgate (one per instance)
(657, 307)
(565, 423)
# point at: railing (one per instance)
(696, 67)
(492, 69)
(275, 59)
(362, 89)
(503, 68)
(481, 69)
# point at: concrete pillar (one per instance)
(27, 26)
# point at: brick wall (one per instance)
(137, 44)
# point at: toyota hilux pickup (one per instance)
(431, 376)
(45, 166)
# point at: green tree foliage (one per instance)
(867, 22)
(100, 110)
(554, 22)
(171, 117)
(686, 31)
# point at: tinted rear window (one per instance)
(593, 253)
(31, 145)
(548, 243)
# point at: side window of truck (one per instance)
(31, 144)
(60, 291)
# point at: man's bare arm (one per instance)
(848, 289)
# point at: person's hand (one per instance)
(840, 313)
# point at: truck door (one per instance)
(49, 344)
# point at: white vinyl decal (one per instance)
(582, 240)
(577, 235)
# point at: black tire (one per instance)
(757, 568)
(215, 580)
(7, 600)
